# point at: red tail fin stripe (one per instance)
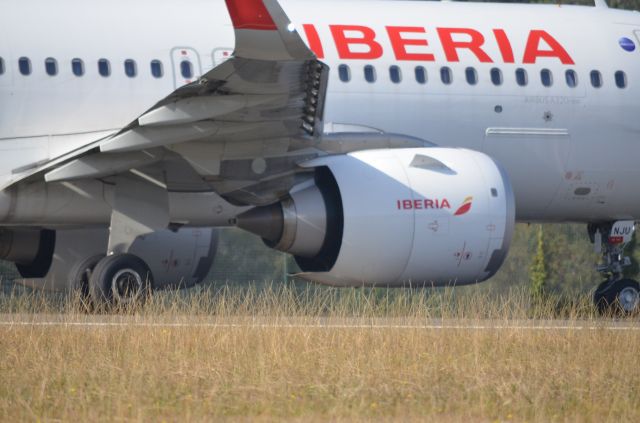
(250, 14)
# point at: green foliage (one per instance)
(538, 270)
(624, 4)
(569, 261)
(8, 273)
(242, 258)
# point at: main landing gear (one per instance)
(616, 295)
(115, 281)
(121, 279)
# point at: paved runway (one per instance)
(55, 321)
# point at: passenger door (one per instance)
(186, 66)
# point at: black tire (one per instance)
(599, 298)
(618, 298)
(120, 280)
(80, 275)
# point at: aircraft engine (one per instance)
(406, 217)
(30, 249)
(52, 259)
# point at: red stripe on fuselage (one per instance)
(250, 14)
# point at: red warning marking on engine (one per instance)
(465, 207)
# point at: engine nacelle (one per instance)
(30, 249)
(406, 217)
(47, 259)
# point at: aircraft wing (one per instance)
(240, 130)
(272, 77)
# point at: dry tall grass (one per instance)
(280, 353)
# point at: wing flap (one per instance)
(141, 138)
(200, 108)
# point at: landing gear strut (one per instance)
(617, 294)
(121, 279)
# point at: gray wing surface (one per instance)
(240, 130)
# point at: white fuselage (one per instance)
(570, 151)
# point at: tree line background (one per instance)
(558, 256)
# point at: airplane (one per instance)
(381, 143)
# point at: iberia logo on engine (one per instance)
(465, 207)
(434, 204)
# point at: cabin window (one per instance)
(24, 66)
(471, 75)
(521, 77)
(344, 73)
(186, 69)
(395, 74)
(1, 65)
(621, 79)
(596, 79)
(104, 68)
(77, 67)
(370, 74)
(130, 68)
(445, 75)
(421, 75)
(572, 78)
(156, 69)
(496, 76)
(51, 66)
(546, 77)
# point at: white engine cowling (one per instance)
(176, 259)
(406, 217)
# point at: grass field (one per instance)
(317, 355)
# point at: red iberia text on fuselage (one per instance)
(413, 43)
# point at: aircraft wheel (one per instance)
(120, 280)
(621, 297)
(80, 275)
(599, 297)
